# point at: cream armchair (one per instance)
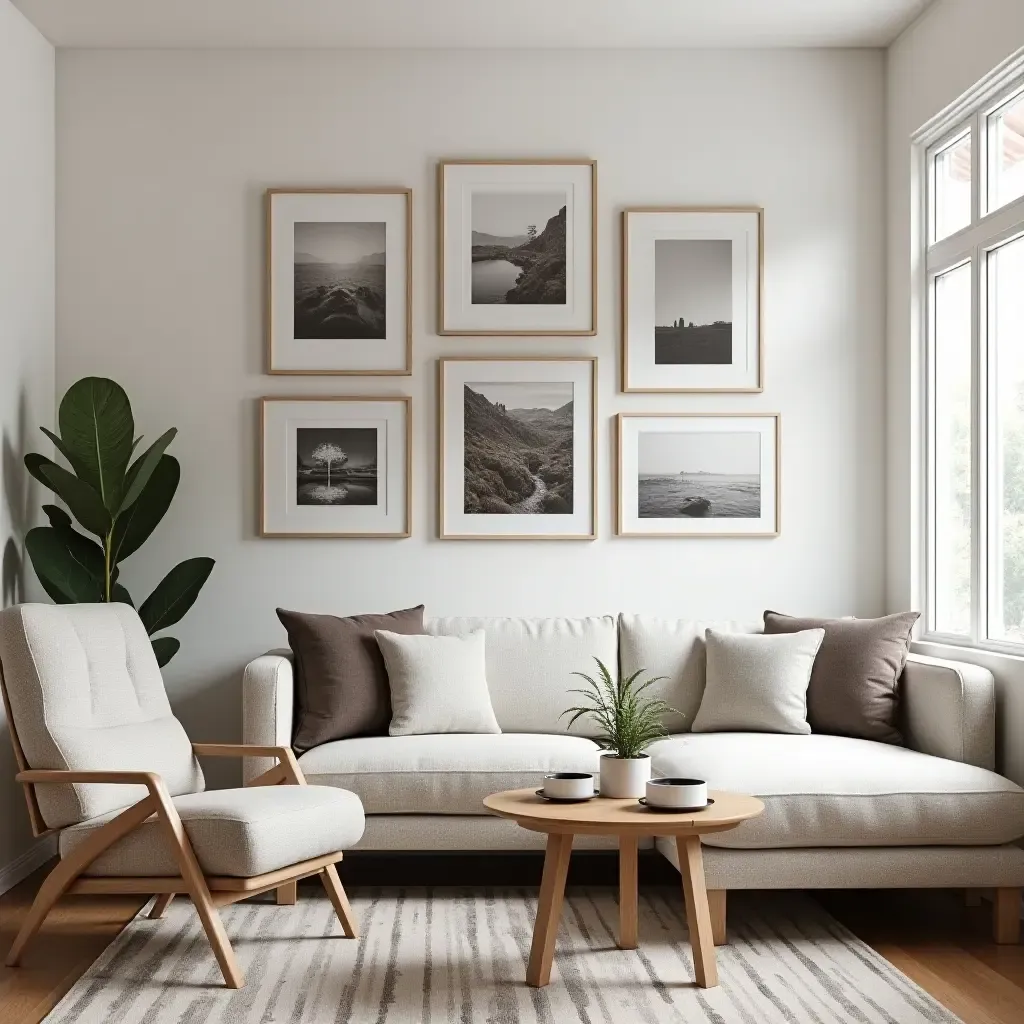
(106, 766)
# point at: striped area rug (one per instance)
(447, 955)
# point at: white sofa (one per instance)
(839, 812)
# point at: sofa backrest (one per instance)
(86, 694)
(530, 664)
(673, 648)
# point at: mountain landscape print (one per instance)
(518, 448)
(340, 280)
(518, 248)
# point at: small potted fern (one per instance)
(629, 721)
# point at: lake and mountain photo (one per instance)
(336, 466)
(699, 475)
(340, 280)
(692, 301)
(518, 248)
(518, 448)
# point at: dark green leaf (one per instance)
(142, 469)
(120, 595)
(61, 571)
(80, 498)
(63, 449)
(165, 648)
(97, 428)
(57, 515)
(175, 594)
(135, 524)
(34, 463)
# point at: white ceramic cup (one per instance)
(682, 793)
(569, 785)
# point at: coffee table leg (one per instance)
(698, 915)
(628, 891)
(549, 909)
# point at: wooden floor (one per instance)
(932, 936)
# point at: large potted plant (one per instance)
(629, 721)
(114, 498)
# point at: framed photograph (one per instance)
(518, 247)
(517, 443)
(692, 282)
(335, 467)
(695, 475)
(339, 281)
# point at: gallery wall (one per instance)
(26, 348)
(934, 62)
(164, 157)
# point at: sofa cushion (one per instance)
(673, 648)
(530, 665)
(443, 774)
(824, 790)
(236, 832)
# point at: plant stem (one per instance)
(107, 542)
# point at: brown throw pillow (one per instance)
(341, 682)
(854, 683)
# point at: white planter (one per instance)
(624, 777)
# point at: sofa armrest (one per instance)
(268, 702)
(950, 710)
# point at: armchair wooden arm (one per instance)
(37, 776)
(286, 770)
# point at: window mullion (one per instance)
(979, 456)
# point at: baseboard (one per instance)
(21, 867)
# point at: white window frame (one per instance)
(986, 232)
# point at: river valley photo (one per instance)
(518, 448)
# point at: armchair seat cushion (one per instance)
(829, 791)
(235, 832)
(443, 774)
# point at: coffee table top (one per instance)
(605, 816)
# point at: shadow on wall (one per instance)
(19, 499)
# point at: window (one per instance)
(973, 174)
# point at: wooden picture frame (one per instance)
(292, 509)
(501, 196)
(556, 509)
(711, 267)
(704, 442)
(347, 334)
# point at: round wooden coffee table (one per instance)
(629, 820)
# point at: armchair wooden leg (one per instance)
(332, 883)
(163, 901)
(1006, 916)
(64, 874)
(717, 904)
(288, 894)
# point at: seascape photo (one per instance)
(518, 248)
(699, 475)
(340, 280)
(336, 466)
(692, 301)
(518, 448)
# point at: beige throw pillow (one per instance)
(757, 683)
(438, 684)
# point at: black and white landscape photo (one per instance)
(336, 466)
(693, 301)
(518, 248)
(699, 475)
(518, 448)
(340, 280)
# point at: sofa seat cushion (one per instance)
(823, 790)
(443, 774)
(236, 832)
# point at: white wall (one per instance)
(163, 160)
(945, 52)
(26, 343)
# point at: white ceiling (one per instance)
(470, 23)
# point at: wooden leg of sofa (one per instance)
(1006, 916)
(332, 883)
(716, 904)
(288, 894)
(163, 901)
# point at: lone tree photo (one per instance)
(327, 454)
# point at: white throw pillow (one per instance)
(438, 683)
(757, 684)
